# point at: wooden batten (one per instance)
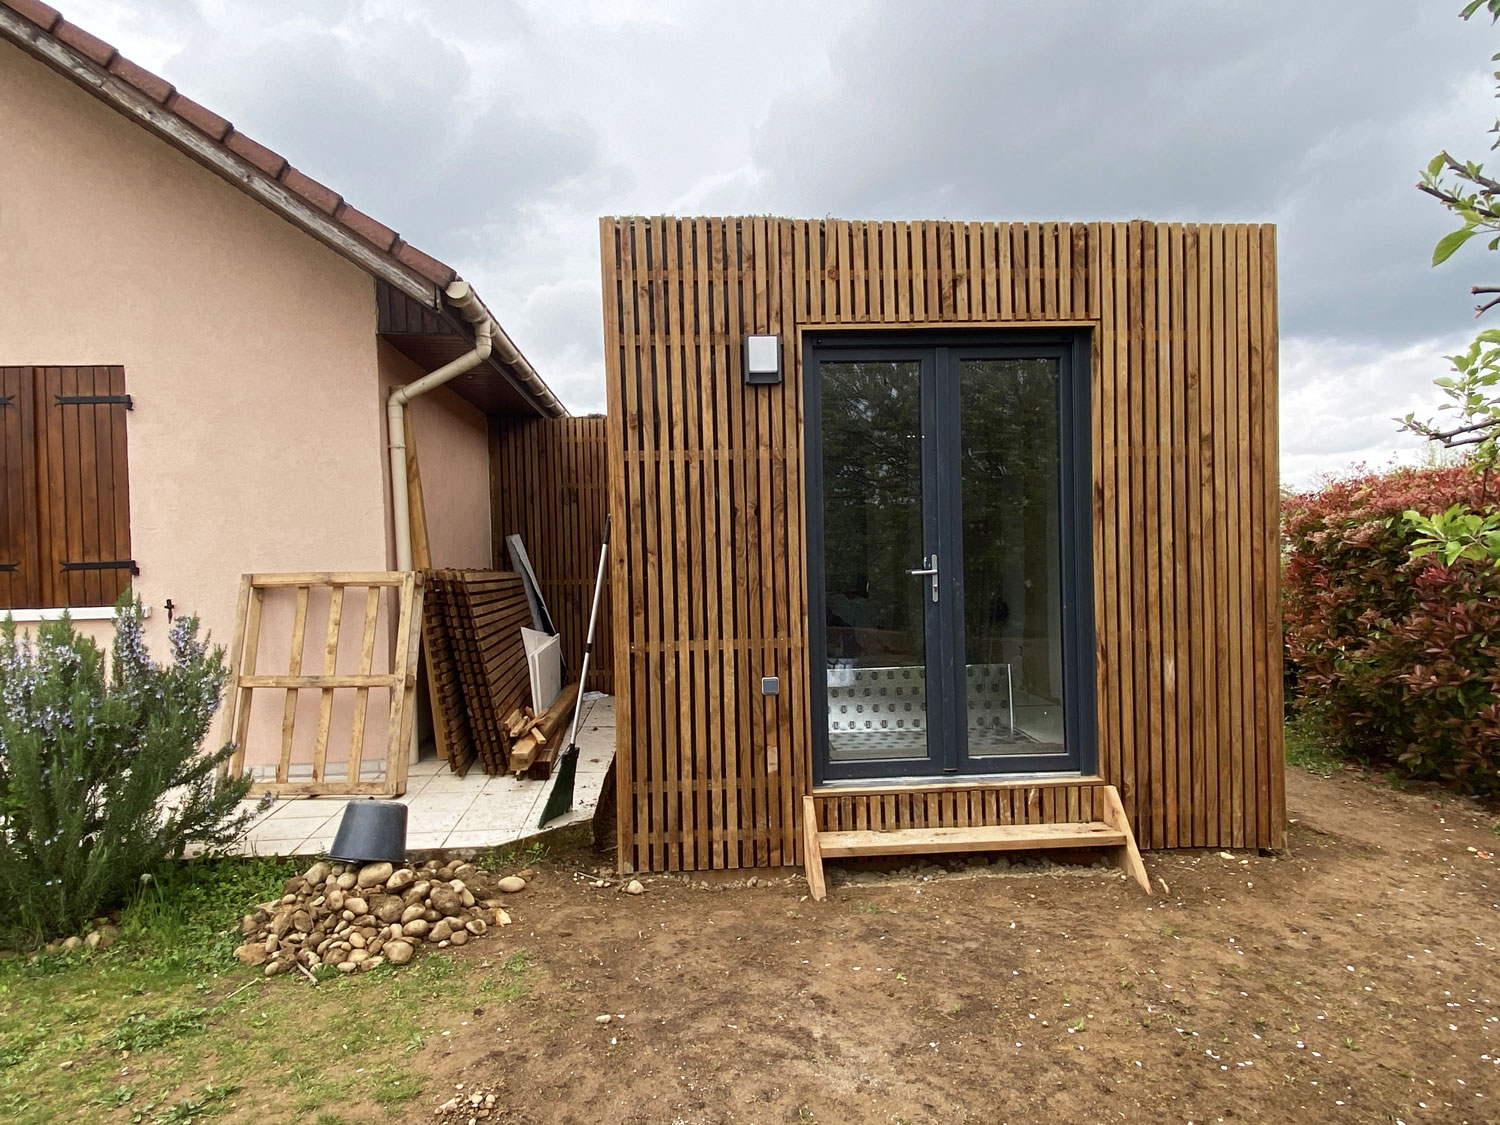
(707, 492)
(549, 484)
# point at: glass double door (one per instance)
(945, 532)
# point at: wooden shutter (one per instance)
(20, 574)
(65, 520)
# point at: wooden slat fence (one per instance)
(709, 498)
(548, 484)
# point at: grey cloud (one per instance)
(388, 110)
(1312, 115)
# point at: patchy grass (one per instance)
(1308, 749)
(167, 1028)
(140, 1032)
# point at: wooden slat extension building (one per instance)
(1074, 425)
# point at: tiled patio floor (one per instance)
(448, 811)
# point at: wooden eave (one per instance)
(432, 337)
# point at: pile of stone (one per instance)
(95, 941)
(355, 917)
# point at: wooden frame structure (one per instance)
(401, 681)
(708, 496)
(1105, 828)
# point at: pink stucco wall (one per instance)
(257, 440)
(452, 439)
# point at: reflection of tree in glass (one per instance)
(1009, 452)
(872, 511)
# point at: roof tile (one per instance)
(367, 228)
(425, 264)
(43, 15)
(269, 162)
(154, 87)
(322, 197)
(200, 118)
(90, 46)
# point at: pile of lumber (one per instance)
(472, 637)
(537, 740)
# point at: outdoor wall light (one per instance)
(762, 359)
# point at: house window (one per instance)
(64, 488)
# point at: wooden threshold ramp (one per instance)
(1113, 832)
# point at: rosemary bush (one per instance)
(101, 775)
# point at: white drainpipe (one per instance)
(484, 337)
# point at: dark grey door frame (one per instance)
(940, 352)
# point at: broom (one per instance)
(560, 800)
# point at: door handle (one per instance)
(931, 571)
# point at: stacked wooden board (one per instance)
(538, 739)
(473, 633)
(449, 715)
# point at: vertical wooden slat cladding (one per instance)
(549, 485)
(64, 487)
(707, 491)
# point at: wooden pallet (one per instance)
(482, 614)
(1113, 832)
(401, 681)
(450, 715)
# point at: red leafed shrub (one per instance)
(1398, 657)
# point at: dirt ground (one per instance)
(1352, 979)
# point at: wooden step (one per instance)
(1113, 833)
(996, 838)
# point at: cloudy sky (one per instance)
(494, 134)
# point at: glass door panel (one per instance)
(950, 563)
(1012, 575)
(874, 531)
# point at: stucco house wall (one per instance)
(453, 448)
(256, 441)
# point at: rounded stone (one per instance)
(511, 884)
(400, 880)
(347, 966)
(459, 937)
(634, 887)
(252, 953)
(374, 874)
(417, 928)
(440, 932)
(356, 906)
(476, 926)
(398, 952)
(447, 901)
(389, 909)
(316, 874)
(414, 911)
(347, 880)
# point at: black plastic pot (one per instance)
(371, 831)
